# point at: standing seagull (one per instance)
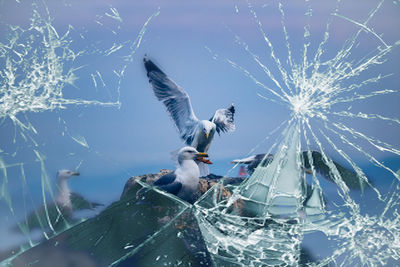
(196, 133)
(59, 214)
(184, 181)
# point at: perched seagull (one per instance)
(349, 177)
(184, 181)
(194, 132)
(60, 213)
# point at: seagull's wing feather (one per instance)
(80, 203)
(349, 177)
(168, 183)
(173, 188)
(260, 159)
(168, 178)
(223, 119)
(253, 161)
(247, 160)
(175, 99)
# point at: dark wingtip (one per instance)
(149, 65)
(232, 108)
(146, 61)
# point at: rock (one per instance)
(156, 231)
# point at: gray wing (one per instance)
(253, 161)
(247, 160)
(349, 177)
(223, 119)
(58, 217)
(168, 183)
(80, 203)
(262, 159)
(175, 99)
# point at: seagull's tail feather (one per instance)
(204, 170)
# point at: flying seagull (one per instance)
(57, 215)
(184, 181)
(349, 177)
(194, 132)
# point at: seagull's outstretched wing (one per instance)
(175, 99)
(247, 160)
(253, 161)
(223, 119)
(168, 183)
(80, 203)
(349, 177)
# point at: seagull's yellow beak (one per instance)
(201, 157)
(207, 135)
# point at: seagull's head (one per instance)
(65, 174)
(207, 127)
(190, 153)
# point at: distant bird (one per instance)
(59, 214)
(349, 177)
(184, 181)
(194, 132)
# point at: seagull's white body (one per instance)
(187, 174)
(194, 132)
(63, 195)
(201, 141)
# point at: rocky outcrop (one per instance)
(156, 231)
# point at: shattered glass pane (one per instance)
(155, 217)
(316, 82)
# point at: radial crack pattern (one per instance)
(319, 88)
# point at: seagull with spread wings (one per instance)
(194, 132)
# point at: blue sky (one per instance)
(140, 133)
(138, 137)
